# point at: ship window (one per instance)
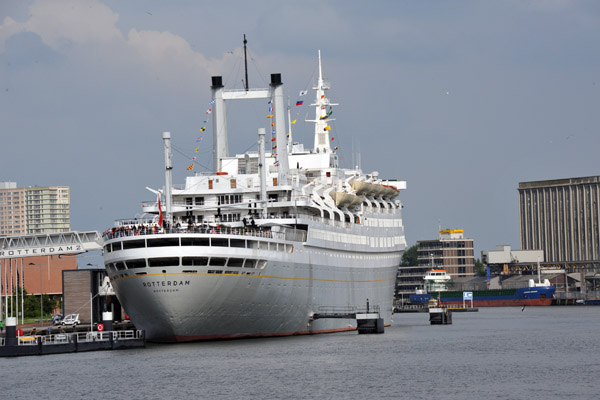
(116, 246)
(163, 262)
(252, 244)
(190, 271)
(120, 266)
(133, 244)
(219, 242)
(214, 271)
(262, 264)
(199, 201)
(194, 261)
(163, 242)
(238, 243)
(235, 262)
(217, 261)
(250, 264)
(194, 242)
(141, 263)
(107, 248)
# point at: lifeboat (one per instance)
(343, 199)
(390, 191)
(361, 187)
(356, 202)
(378, 190)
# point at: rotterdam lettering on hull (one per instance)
(165, 283)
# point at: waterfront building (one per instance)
(47, 209)
(84, 284)
(33, 210)
(29, 211)
(409, 279)
(450, 252)
(562, 218)
(12, 210)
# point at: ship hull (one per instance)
(533, 296)
(179, 303)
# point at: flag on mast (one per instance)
(160, 218)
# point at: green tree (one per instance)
(31, 303)
(410, 256)
(479, 268)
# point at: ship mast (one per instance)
(289, 139)
(245, 64)
(322, 114)
(168, 174)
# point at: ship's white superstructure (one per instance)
(263, 243)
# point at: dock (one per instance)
(15, 343)
(368, 319)
(440, 315)
(414, 308)
(71, 343)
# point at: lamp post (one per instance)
(91, 298)
(41, 292)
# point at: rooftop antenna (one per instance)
(245, 63)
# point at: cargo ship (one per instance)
(538, 293)
(265, 242)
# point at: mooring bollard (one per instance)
(107, 320)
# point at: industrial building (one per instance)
(562, 218)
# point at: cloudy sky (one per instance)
(462, 99)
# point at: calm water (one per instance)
(497, 353)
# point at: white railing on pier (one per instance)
(82, 337)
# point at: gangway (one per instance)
(47, 244)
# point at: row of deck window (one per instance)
(196, 241)
(163, 262)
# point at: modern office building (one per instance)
(34, 210)
(562, 218)
(450, 251)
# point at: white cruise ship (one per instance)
(266, 243)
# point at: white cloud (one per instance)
(61, 22)
(78, 21)
(9, 28)
(165, 52)
(82, 26)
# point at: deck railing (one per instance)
(126, 231)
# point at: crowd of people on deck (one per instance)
(134, 229)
